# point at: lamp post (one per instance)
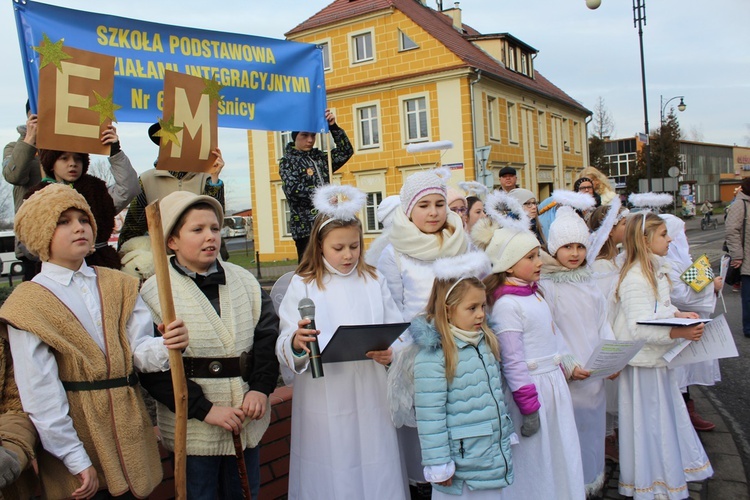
(681, 107)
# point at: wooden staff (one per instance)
(330, 159)
(179, 384)
(241, 467)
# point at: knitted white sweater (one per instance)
(213, 336)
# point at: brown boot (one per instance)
(612, 449)
(698, 422)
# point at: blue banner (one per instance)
(268, 84)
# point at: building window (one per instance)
(524, 64)
(369, 132)
(405, 43)
(511, 63)
(415, 115)
(372, 225)
(282, 139)
(362, 47)
(286, 216)
(566, 134)
(577, 137)
(325, 48)
(542, 125)
(512, 123)
(492, 118)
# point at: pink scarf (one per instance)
(515, 286)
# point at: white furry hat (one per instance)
(568, 227)
(421, 184)
(386, 208)
(504, 246)
(470, 264)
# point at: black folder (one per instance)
(353, 342)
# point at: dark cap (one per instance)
(580, 181)
(507, 171)
(152, 130)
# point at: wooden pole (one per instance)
(241, 467)
(330, 160)
(179, 384)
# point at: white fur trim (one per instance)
(475, 264)
(650, 200)
(579, 201)
(339, 202)
(598, 238)
(429, 146)
(506, 211)
(474, 188)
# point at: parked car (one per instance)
(10, 265)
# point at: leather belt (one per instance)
(97, 385)
(212, 367)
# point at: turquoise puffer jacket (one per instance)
(465, 421)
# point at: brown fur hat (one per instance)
(48, 157)
(36, 219)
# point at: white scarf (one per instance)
(470, 337)
(407, 239)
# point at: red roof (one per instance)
(440, 26)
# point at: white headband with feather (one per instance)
(578, 201)
(468, 265)
(598, 238)
(474, 188)
(650, 202)
(338, 202)
(506, 211)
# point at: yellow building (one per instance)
(399, 72)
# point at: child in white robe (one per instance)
(343, 444)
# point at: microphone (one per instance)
(306, 310)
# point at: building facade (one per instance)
(399, 72)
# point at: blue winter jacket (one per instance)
(466, 420)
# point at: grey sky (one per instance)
(695, 49)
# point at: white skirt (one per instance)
(701, 373)
(659, 449)
(547, 464)
(590, 408)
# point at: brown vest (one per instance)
(159, 183)
(112, 424)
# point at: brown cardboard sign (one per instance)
(189, 129)
(75, 100)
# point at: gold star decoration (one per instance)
(51, 52)
(168, 131)
(105, 107)
(212, 89)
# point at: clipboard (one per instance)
(352, 342)
(674, 322)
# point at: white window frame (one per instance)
(353, 47)
(493, 118)
(405, 117)
(282, 139)
(283, 212)
(372, 224)
(511, 57)
(542, 125)
(512, 111)
(524, 63)
(325, 47)
(401, 38)
(374, 129)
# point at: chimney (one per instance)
(455, 14)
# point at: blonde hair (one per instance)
(609, 249)
(602, 184)
(311, 267)
(438, 307)
(639, 231)
(492, 283)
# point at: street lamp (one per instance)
(681, 107)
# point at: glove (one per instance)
(10, 467)
(530, 424)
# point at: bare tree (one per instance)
(101, 169)
(602, 127)
(695, 134)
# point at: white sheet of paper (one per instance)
(717, 343)
(611, 356)
(724, 267)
